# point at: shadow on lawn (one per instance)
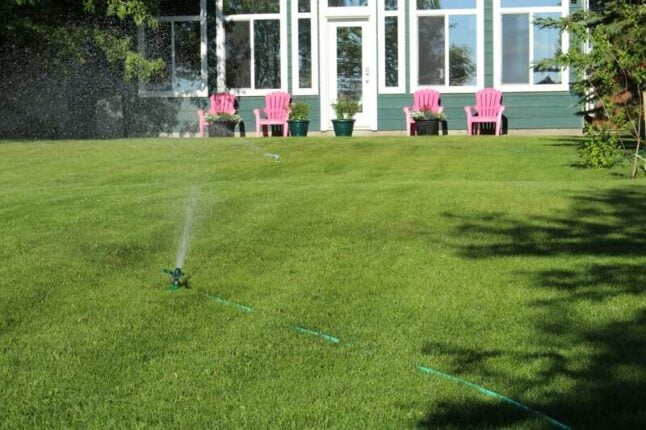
(605, 363)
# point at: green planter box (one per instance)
(427, 127)
(222, 129)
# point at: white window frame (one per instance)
(498, 12)
(414, 46)
(221, 51)
(401, 43)
(203, 90)
(312, 15)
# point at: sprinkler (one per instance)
(178, 278)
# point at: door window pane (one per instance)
(515, 55)
(392, 51)
(349, 54)
(305, 53)
(431, 50)
(462, 50)
(267, 53)
(238, 55)
(547, 43)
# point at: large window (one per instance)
(448, 44)
(253, 50)
(515, 20)
(391, 46)
(304, 47)
(180, 41)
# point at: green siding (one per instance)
(542, 110)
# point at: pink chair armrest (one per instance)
(469, 110)
(256, 112)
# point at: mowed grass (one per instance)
(497, 260)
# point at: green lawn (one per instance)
(499, 261)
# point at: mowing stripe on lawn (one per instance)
(492, 394)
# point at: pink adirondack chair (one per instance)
(275, 112)
(425, 98)
(488, 109)
(220, 103)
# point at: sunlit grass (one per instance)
(497, 260)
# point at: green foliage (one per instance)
(425, 113)
(346, 108)
(299, 111)
(607, 55)
(602, 148)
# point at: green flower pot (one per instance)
(298, 127)
(343, 127)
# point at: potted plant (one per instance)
(427, 122)
(345, 110)
(222, 124)
(298, 121)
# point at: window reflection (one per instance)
(347, 3)
(238, 55)
(392, 51)
(267, 53)
(349, 63)
(304, 53)
(431, 50)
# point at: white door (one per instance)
(351, 52)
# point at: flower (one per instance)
(223, 117)
(425, 114)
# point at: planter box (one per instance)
(222, 128)
(427, 127)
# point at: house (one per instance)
(378, 51)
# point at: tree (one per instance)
(608, 58)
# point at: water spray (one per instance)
(178, 278)
(276, 157)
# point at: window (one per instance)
(304, 47)
(347, 3)
(251, 45)
(391, 46)
(179, 40)
(513, 61)
(447, 49)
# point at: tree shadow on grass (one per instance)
(604, 362)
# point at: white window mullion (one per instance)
(447, 18)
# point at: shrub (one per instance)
(601, 149)
(299, 111)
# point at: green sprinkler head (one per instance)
(177, 278)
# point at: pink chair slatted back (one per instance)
(426, 97)
(488, 102)
(277, 105)
(223, 103)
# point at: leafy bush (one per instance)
(299, 111)
(346, 108)
(601, 149)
